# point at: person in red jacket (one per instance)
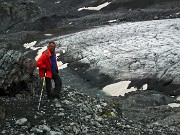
(48, 68)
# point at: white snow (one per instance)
(111, 21)
(31, 45)
(120, 88)
(61, 65)
(95, 8)
(48, 34)
(178, 98)
(174, 105)
(57, 2)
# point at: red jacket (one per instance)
(44, 64)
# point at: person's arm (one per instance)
(40, 62)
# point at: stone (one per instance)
(21, 121)
(2, 112)
(17, 72)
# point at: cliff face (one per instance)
(16, 12)
(36, 15)
(16, 73)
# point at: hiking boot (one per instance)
(49, 95)
(56, 96)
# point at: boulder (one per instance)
(16, 72)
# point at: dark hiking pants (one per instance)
(58, 84)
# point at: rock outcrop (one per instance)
(16, 72)
(14, 14)
(35, 15)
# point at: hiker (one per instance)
(48, 68)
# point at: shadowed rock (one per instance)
(2, 112)
(16, 72)
(36, 15)
(166, 86)
(14, 13)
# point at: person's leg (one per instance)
(58, 85)
(48, 87)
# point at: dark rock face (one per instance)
(140, 4)
(16, 72)
(36, 15)
(166, 86)
(15, 12)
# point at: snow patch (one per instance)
(178, 98)
(120, 88)
(57, 2)
(95, 8)
(30, 45)
(61, 65)
(111, 21)
(174, 105)
(48, 34)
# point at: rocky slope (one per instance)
(37, 15)
(78, 113)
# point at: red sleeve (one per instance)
(41, 62)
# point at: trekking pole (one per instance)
(42, 90)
